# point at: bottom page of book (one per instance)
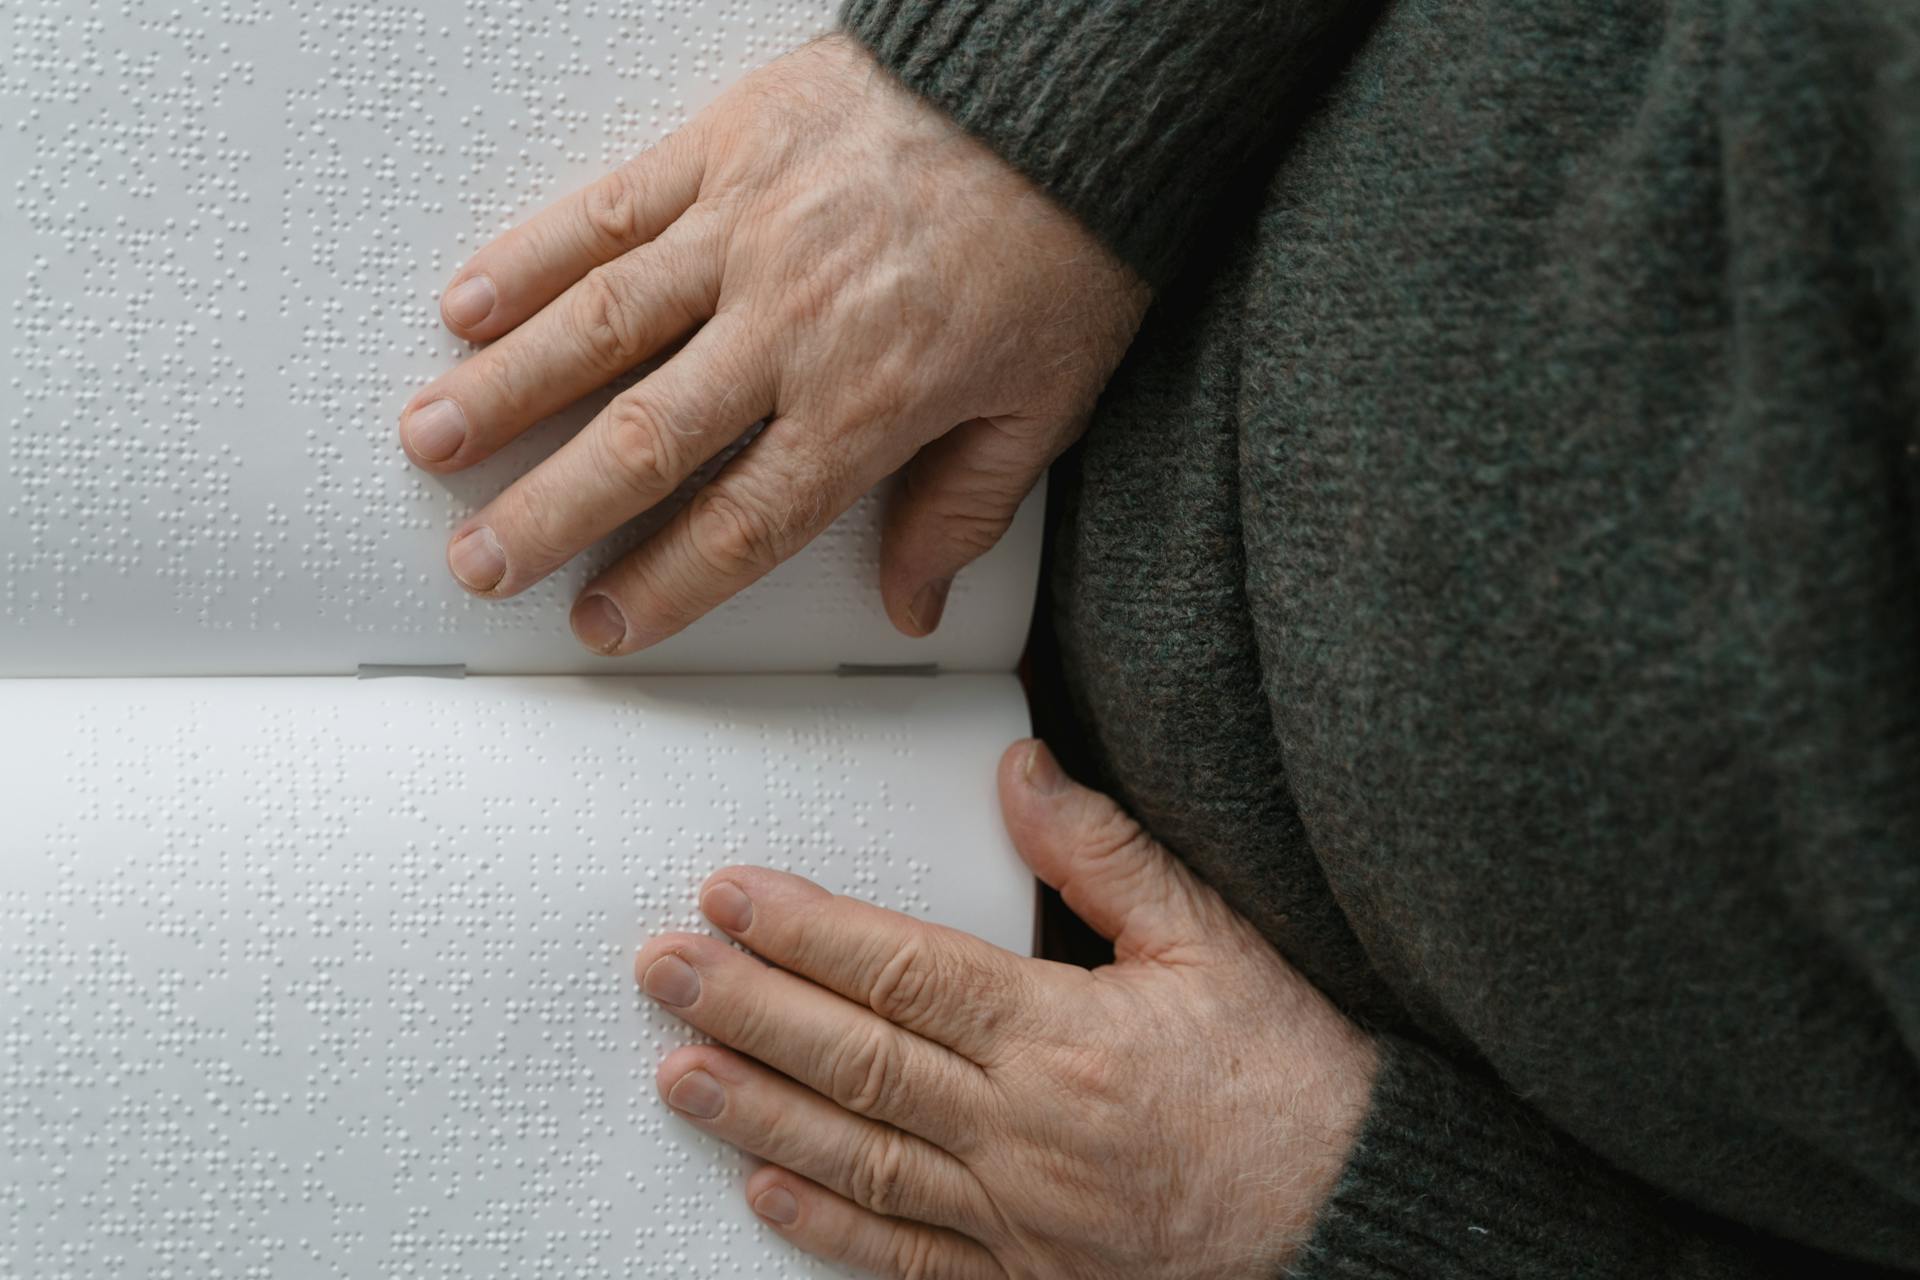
(324, 977)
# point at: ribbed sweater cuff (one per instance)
(1134, 114)
(1453, 1176)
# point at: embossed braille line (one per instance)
(224, 236)
(335, 954)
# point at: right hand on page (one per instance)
(853, 268)
(930, 1106)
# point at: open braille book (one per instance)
(308, 973)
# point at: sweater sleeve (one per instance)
(1134, 114)
(1453, 1176)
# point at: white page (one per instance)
(222, 243)
(323, 977)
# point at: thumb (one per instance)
(1111, 873)
(955, 499)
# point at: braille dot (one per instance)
(303, 981)
(157, 413)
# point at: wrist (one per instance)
(1328, 1105)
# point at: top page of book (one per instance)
(222, 241)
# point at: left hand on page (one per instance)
(880, 288)
(932, 1106)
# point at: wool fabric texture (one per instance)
(1495, 569)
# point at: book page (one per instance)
(324, 977)
(222, 246)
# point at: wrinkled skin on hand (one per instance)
(934, 1108)
(852, 267)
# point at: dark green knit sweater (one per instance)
(1496, 569)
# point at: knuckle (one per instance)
(507, 380)
(1112, 846)
(533, 528)
(972, 529)
(609, 322)
(903, 991)
(766, 1131)
(737, 538)
(750, 1023)
(1087, 1071)
(1112, 836)
(917, 1256)
(808, 942)
(611, 211)
(636, 452)
(849, 1240)
(866, 1075)
(879, 1171)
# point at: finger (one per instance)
(616, 316)
(937, 982)
(632, 456)
(1110, 872)
(954, 501)
(834, 1228)
(875, 1165)
(862, 1062)
(523, 270)
(773, 499)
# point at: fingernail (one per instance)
(477, 560)
(470, 302)
(1042, 771)
(598, 623)
(728, 907)
(436, 430)
(777, 1205)
(929, 603)
(671, 980)
(697, 1094)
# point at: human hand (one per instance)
(852, 267)
(946, 1110)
